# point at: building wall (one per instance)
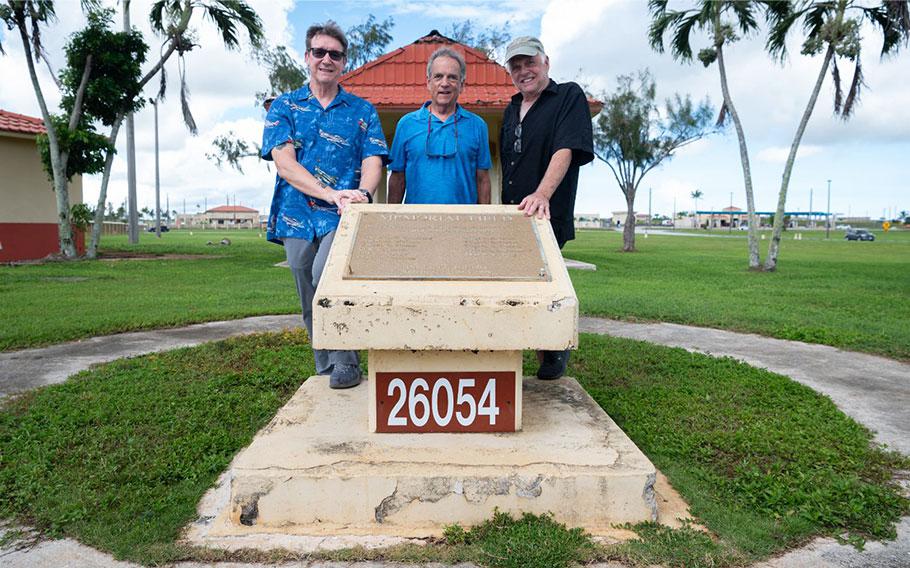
(28, 207)
(27, 195)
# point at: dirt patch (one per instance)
(111, 256)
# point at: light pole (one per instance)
(157, 175)
(828, 220)
(730, 220)
(649, 212)
(132, 201)
(810, 225)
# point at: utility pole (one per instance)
(674, 209)
(157, 175)
(133, 216)
(810, 207)
(649, 210)
(828, 220)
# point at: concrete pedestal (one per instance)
(316, 470)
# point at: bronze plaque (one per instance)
(445, 402)
(446, 246)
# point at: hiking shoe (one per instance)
(344, 376)
(554, 365)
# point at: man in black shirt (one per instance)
(546, 137)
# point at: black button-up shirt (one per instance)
(559, 119)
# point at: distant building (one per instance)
(222, 217)
(590, 221)
(28, 206)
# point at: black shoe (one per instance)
(554, 365)
(344, 376)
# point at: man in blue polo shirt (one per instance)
(328, 148)
(441, 152)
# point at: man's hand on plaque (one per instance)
(537, 204)
(343, 197)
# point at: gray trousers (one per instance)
(307, 260)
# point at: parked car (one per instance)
(859, 235)
(164, 229)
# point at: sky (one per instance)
(589, 41)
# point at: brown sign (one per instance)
(446, 246)
(445, 402)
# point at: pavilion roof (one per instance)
(398, 80)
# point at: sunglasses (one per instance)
(516, 146)
(444, 154)
(319, 53)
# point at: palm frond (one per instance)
(838, 93)
(780, 16)
(745, 18)
(162, 85)
(855, 89)
(185, 99)
(814, 20)
(163, 13)
(662, 21)
(226, 14)
(893, 20)
(682, 42)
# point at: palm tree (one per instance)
(171, 19)
(720, 20)
(696, 195)
(832, 26)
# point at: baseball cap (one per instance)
(524, 45)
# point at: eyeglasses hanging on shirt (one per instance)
(442, 154)
(516, 147)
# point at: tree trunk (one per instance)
(778, 228)
(628, 231)
(98, 224)
(754, 258)
(58, 169)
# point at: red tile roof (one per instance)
(399, 79)
(232, 209)
(20, 123)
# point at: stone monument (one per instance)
(445, 429)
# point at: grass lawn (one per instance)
(119, 456)
(854, 295)
(60, 301)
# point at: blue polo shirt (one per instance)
(440, 159)
(331, 143)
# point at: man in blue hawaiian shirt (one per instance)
(441, 152)
(329, 150)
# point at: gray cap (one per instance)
(524, 45)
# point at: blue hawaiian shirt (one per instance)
(331, 143)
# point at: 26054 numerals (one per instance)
(445, 402)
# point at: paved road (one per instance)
(873, 390)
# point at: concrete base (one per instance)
(315, 470)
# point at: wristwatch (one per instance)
(367, 194)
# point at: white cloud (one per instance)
(598, 41)
(779, 154)
(482, 13)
